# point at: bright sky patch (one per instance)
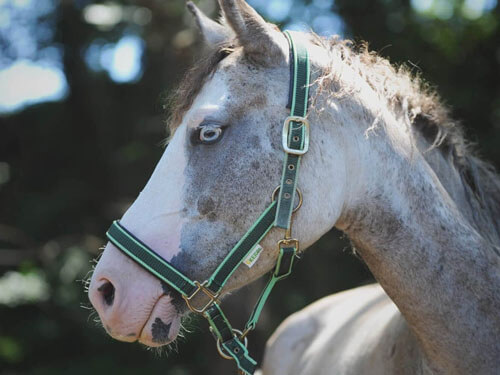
(24, 83)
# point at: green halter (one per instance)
(295, 139)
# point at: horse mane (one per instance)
(413, 99)
(406, 94)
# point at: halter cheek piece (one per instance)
(231, 343)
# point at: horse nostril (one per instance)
(108, 292)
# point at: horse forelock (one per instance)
(190, 86)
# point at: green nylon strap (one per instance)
(154, 263)
(223, 332)
(282, 270)
(296, 135)
(148, 259)
(240, 354)
(300, 79)
(240, 251)
(289, 179)
(284, 266)
(220, 326)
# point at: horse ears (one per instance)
(261, 41)
(213, 32)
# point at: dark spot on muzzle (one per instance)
(160, 331)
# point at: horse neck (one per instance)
(418, 242)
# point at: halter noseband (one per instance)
(295, 139)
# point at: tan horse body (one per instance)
(355, 332)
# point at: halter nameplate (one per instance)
(295, 139)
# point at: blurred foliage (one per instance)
(68, 168)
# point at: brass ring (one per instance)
(299, 193)
(237, 333)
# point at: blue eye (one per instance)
(210, 134)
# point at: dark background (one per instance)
(70, 166)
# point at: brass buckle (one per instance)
(286, 242)
(286, 130)
(236, 333)
(214, 298)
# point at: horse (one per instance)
(387, 165)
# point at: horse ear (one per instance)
(213, 32)
(262, 41)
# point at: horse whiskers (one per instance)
(94, 317)
(172, 347)
(188, 324)
(87, 306)
(98, 256)
(88, 277)
(86, 280)
(165, 350)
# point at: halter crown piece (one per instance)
(232, 343)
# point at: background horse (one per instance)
(386, 165)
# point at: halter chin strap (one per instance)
(231, 343)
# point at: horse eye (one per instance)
(210, 134)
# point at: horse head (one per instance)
(217, 175)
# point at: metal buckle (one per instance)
(287, 242)
(286, 130)
(214, 298)
(236, 333)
